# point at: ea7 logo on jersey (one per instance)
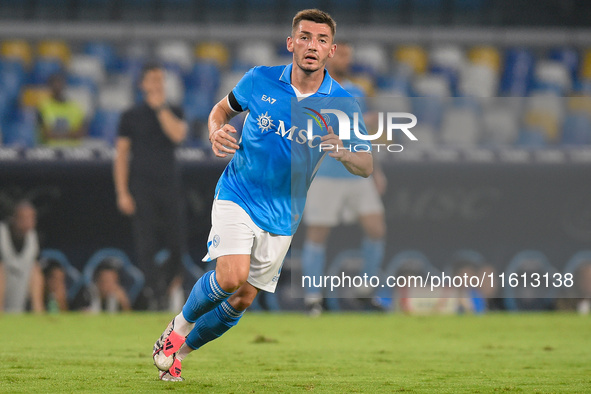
(268, 99)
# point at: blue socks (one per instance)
(205, 296)
(212, 325)
(373, 254)
(313, 262)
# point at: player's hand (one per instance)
(333, 144)
(126, 204)
(222, 143)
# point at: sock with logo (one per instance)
(205, 296)
(213, 325)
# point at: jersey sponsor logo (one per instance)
(345, 124)
(301, 135)
(268, 99)
(265, 122)
(321, 120)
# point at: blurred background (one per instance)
(498, 178)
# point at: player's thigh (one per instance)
(232, 270)
(232, 231)
(230, 243)
(325, 201)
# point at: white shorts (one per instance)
(234, 232)
(332, 201)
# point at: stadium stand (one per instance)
(101, 75)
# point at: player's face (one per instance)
(311, 44)
(153, 82)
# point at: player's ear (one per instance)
(332, 51)
(290, 44)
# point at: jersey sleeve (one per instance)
(124, 129)
(243, 91)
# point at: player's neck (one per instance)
(306, 82)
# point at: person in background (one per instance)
(107, 294)
(352, 198)
(56, 299)
(21, 276)
(148, 184)
(62, 122)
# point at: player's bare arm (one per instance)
(125, 201)
(357, 163)
(36, 289)
(222, 142)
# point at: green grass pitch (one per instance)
(287, 353)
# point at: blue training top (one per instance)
(271, 172)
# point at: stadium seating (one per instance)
(17, 50)
(105, 52)
(487, 56)
(21, 129)
(213, 51)
(528, 298)
(103, 75)
(250, 54)
(54, 49)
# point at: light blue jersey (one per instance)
(270, 174)
(330, 167)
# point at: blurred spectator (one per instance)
(579, 297)
(148, 183)
(470, 299)
(55, 286)
(490, 288)
(353, 198)
(583, 280)
(61, 121)
(107, 294)
(19, 251)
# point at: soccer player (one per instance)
(260, 195)
(352, 196)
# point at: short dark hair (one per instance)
(314, 15)
(20, 204)
(50, 265)
(108, 264)
(150, 66)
